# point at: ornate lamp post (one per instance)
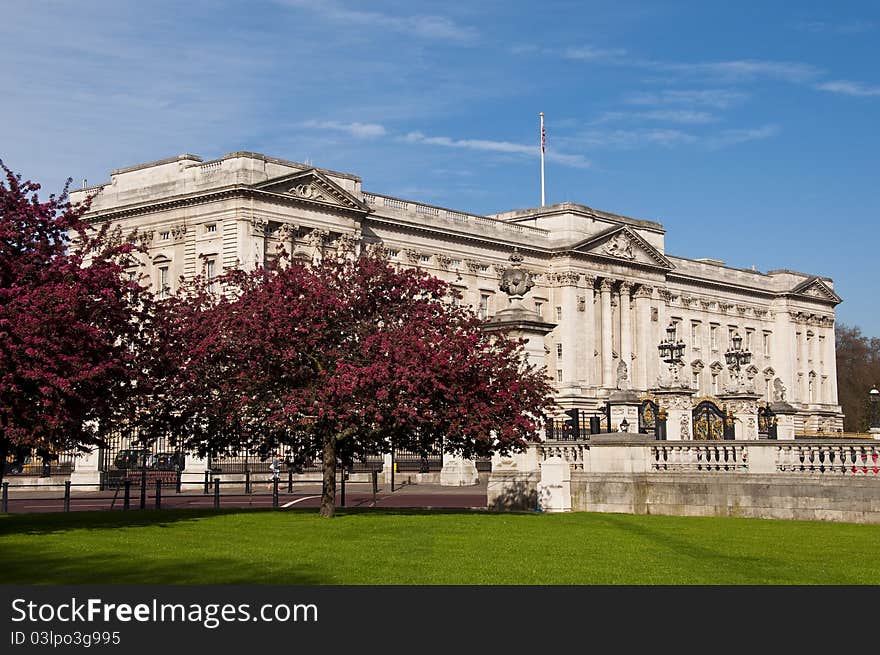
(737, 357)
(672, 352)
(874, 395)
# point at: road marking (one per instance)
(299, 500)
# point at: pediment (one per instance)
(312, 186)
(817, 289)
(624, 245)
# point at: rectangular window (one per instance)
(714, 384)
(748, 341)
(164, 236)
(559, 375)
(797, 338)
(483, 312)
(730, 332)
(713, 336)
(424, 259)
(211, 227)
(538, 307)
(559, 313)
(821, 349)
(766, 344)
(209, 269)
(695, 335)
(163, 282)
(558, 351)
(695, 381)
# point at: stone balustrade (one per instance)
(833, 457)
(376, 200)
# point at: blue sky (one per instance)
(748, 129)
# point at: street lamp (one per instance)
(672, 352)
(874, 395)
(624, 426)
(737, 357)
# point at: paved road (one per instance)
(413, 496)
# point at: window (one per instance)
(797, 336)
(164, 236)
(558, 351)
(821, 349)
(559, 313)
(695, 381)
(715, 384)
(455, 263)
(766, 344)
(483, 312)
(731, 330)
(163, 282)
(713, 336)
(538, 307)
(748, 341)
(559, 375)
(424, 259)
(695, 335)
(211, 227)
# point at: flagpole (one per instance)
(542, 157)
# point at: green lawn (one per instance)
(412, 547)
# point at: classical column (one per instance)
(625, 327)
(660, 330)
(830, 361)
(588, 358)
(644, 351)
(782, 353)
(607, 373)
(567, 281)
(804, 367)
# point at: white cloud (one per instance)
(507, 147)
(590, 53)
(683, 116)
(357, 130)
(426, 26)
(744, 69)
(849, 88)
(735, 137)
(717, 98)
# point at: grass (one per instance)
(382, 547)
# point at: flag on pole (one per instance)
(543, 137)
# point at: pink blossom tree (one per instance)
(339, 360)
(70, 322)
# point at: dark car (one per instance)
(131, 459)
(169, 462)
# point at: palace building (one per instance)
(603, 282)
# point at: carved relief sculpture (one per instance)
(619, 246)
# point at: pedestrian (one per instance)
(275, 467)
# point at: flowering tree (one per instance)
(69, 323)
(338, 360)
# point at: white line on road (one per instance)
(298, 500)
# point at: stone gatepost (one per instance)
(744, 407)
(678, 405)
(519, 322)
(784, 420)
(554, 489)
(86, 471)
(624, 406)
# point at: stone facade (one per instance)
(604, 280)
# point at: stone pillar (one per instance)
(554, 489)
(744, 407)
(645, 352)
(625, 327)
(607, 361)
(784, 420)
(86, 471)
(803, 367)
(830, 362)
(679, 412)
(567, 282)
(624, 405)
(588, 357)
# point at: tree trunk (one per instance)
(328, 490)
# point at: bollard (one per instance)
(247, 482)
(275, 493)
(290, 481)
(375, 484)
(6, 498)
(126, 497)
(158, 493)
(207, 483)
(216, 493)
(67, 495)
(342, 497)
(179, 480)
